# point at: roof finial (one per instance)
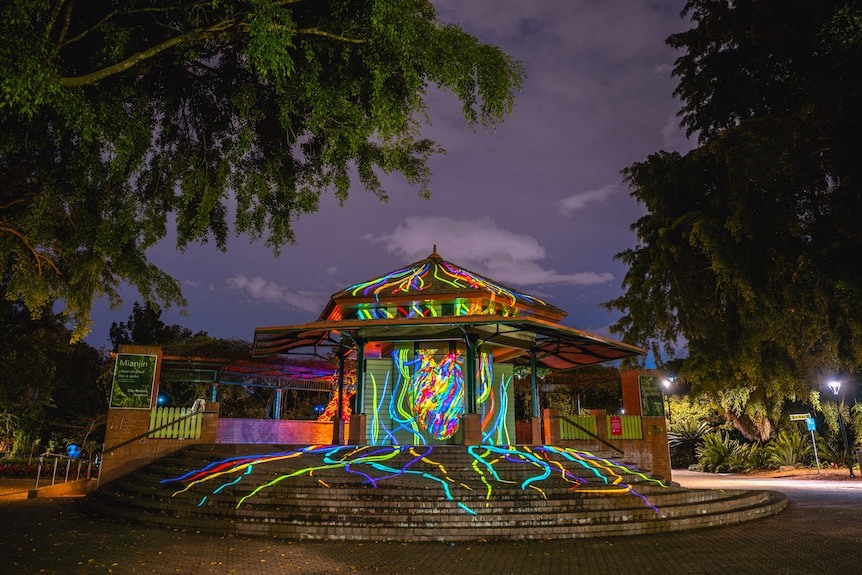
(434, 255)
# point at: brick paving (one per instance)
(819, 533)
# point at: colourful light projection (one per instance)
(493, 401)
(427, 399)
(434, 389)
(492, 466)
(461, 307)
(419, 278)
(332, 406)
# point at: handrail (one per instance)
(590, 433)
(68, 459)
(150, 431)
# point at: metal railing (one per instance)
(57, 457)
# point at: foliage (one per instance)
(788, 448)
(120, 119)
(683, 438)
(748, 251)
(145, 327)
(719, 453)
(48, 386)
(593, 387)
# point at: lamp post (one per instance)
(835, 386)
(666, 384)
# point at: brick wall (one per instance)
(127, 424)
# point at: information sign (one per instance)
(616, 425)
(134, 377)
(799, 416)
(652, 404)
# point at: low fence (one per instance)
(642, 440)
(186, 423)
(585, 427)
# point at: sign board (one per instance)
(616, 425)
(652, 400)
(799, 416)
(134, 378)
(811, 425)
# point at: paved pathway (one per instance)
(820, 533)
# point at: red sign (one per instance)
(616, 425)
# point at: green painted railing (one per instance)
(631, 427)
(570, 431)
(175, 423)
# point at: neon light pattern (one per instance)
(461, 307)
(583, 471)
(399, 401)
(421, 277)
(332, 406)
(430, 394)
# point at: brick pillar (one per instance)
(552, 426)
(538, 438)
(471, 423)
(357, 431)
(655, 439)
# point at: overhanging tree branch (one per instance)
(36, 255)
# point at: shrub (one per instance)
(683, 438)
(721, 454)
(788, 448)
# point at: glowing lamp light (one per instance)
(162, 400)
(834, 386)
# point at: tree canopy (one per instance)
(145, 327)
(120, 120)
(49, 387)
(749, 253)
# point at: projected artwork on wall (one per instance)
(417, 397)
(532, 468)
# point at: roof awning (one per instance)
(556, 346)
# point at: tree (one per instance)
(145, 327)
(749, 252)
(47, 384)
(120, 119)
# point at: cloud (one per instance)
(673, 136)
(578, 201)
(270, 292)
(480, 246)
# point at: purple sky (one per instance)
(537, 205)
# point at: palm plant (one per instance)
(788, 448)
(684, 437)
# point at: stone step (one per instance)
(508, 494)
(526, 528)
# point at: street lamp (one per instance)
(666, 384)
(835, 386)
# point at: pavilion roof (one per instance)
(557, 346)
(434, 278)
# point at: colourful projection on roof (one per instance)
(421, 277)
(461, 307)
(491, 466)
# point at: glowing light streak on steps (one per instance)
(378, 464)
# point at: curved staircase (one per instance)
(441, 493)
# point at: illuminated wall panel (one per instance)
(416, 397)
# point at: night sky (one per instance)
(537, 204)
